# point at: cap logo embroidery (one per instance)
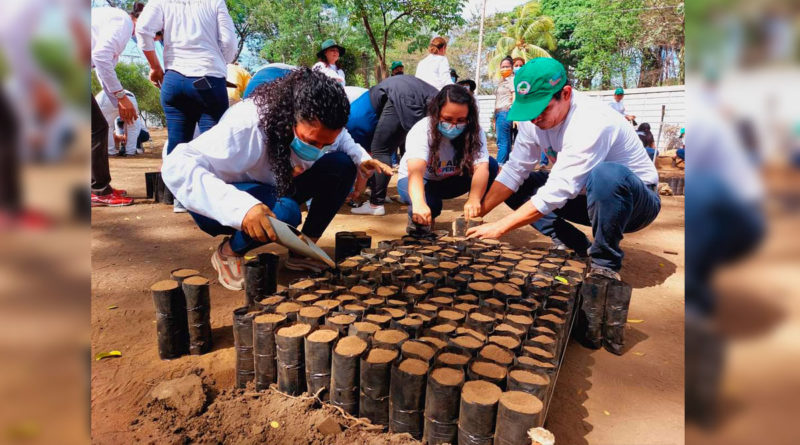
(554, 81)
(523, 87)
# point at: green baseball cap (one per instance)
(534, 85)
(395, 64)
(330, 43)
(619, 91)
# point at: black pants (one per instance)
(101, 176)
(9, 165)
(389, 134)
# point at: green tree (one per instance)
(388, 22)
(133, 78)
(526, 33)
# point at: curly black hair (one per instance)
(468, 144)
(302, 95)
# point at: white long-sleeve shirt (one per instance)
(435, 70)
(111, 30)
(199, 37)
(591, 133)
(200, 172)
(332, 71)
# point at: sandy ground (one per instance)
(599, 399)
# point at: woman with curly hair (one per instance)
(283, 145)
(446, 156)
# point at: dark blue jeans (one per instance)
(616, 202)
(327, 183)
(186, 106)
(724, 228)
(437, 191)
(503, 128)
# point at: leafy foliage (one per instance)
(526, 33)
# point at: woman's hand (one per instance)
(370, 166)
(256, 224)
(421, 214)
(473, 208)
(486, 231)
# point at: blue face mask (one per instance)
(516, 68)
(451, 131)
(306, 151)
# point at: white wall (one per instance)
(644, 103)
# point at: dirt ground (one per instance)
(600, 399)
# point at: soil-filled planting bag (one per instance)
(481, 321)
(618, 299)
(461, 224)
(198, 312)
(266, 367)
(311, 315)
(526, 380)
(243, 344)
(181, 274)
(441, 405)
(151, 183)
(489, 371)
(341, 322)
(364, 330)
(345, 246)
(389, 338)
(418, 349)
(291, 357)
(345, 373)
(411, 325)
(593, 292)
(375, 373)
(517, 412)
(318, 352)
(172, 329)
(478, 412)
(407, 397)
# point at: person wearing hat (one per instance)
(600, 177)
(617, 104)
(328, 55)
(397, 68)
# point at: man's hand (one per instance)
(359, 187)
(157, 76)
(120, 139)
(126, 110)
(486, 231)
(472, 208)
(367, 168)
(421, 214)
(256, 225)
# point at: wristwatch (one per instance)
(119, 94)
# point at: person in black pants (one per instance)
(380, 120)
(101, 176)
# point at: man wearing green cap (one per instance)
(397, 68)
(328, 55)
(617, 104)
(601, 175)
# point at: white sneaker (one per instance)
(368, 209)
(139, 151)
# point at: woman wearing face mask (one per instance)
(283, 145)
(446, 156)
(518, 62)
(504, 97)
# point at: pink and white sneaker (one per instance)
(229, 268)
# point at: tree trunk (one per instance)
(371, 35)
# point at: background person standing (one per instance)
(328, 55)
(434, 68)
(199, 41)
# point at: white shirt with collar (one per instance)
(332, 71)
(200, 172)
(619, 106)
(435, 70)
(199, 37)
(591, 133)
(111, 30)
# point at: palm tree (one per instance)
(527, 34)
